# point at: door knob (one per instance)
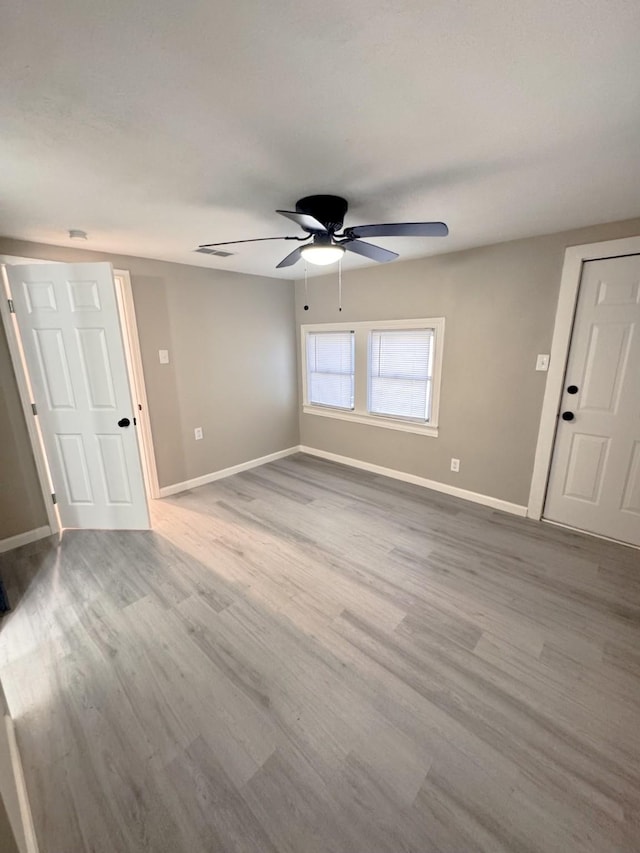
(124, 422)
(568, 416)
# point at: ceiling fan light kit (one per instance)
(322, 254)
(322, 218)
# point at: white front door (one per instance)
(595, 474)
(72, 341)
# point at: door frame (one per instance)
(574, 258)
(133, 360)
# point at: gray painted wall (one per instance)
(499, 303)
(232, 344)
(232, 369)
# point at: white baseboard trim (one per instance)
(24, 538)
(28, 828)
(167, 491)
(444, 488)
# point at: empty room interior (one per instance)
(320, 427)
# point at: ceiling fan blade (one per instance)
(368, 250)
(253, 240)
(400, 229)
(304, 220)
(291, 259)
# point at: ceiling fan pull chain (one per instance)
(306, 288)
(340, 285)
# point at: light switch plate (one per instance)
(542, 362)
(455, 465)
(198, 433)
(163, 355)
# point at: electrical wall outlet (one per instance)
(198, 433)
(455, 465)
(542, 362)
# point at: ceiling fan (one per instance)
(322, 217)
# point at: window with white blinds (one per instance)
(331, 369)
(384, 373)
(400, 373)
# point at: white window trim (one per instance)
(359, 414)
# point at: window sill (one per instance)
(372, 420)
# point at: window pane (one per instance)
(400, 370)
(330, 369)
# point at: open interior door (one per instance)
(73, 346)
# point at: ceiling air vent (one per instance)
(217, 252)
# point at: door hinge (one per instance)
(54, 498)
(34, 408)
(12, 309)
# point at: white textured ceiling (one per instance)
(158, 125)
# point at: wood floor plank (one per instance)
(306, 658)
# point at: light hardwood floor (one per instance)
(312, 659)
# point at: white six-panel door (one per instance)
(70, 330)
(594, 483)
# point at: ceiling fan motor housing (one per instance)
(328, 209)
